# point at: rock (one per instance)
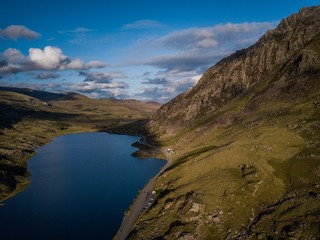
(195, 208)
(216, 220)
(186, 236)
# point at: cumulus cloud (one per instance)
(143, 24)
(15, 32)
(50, 58)
(53, 58)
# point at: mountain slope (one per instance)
(290, 51)
(246, 162)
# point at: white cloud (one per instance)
(53, 58)
(15, 32)
(215, 36)
(143, 24)
(50, 58)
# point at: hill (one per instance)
(41, 95)
(246, 161)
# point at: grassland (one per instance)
(255, 176)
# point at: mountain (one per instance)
(279, 65)
(246, 137)
(30, 118)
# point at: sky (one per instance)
(142, 49)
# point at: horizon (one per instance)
(144, 51)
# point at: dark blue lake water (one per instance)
(80, 186)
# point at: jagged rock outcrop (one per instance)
(288, 51)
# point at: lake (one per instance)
(81, 184)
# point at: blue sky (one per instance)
(143, 49)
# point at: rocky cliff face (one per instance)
(290, 50)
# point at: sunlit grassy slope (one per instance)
(223, 178)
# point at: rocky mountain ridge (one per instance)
(279, 55)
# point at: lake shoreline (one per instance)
(144, 198)
(24, 180)
(143, 151)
